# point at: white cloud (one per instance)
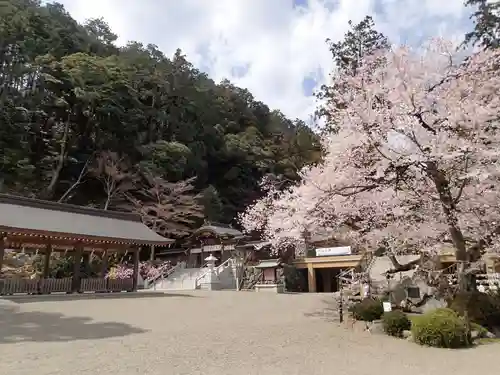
(279, 43)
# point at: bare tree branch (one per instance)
(78, 181)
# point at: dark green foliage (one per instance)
(395, 322)
(441, 328)
(486, 16)
(361, 40)
(212, 204)
(294, 279)
(368, 310)
(69, 94)
(482, 308)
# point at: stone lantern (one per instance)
(210, 281)
(211, 261)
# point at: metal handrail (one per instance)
(157, 276)
(216, 269)
(162, 275)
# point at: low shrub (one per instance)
(482, 308)
(368, 310)
(395, 322)
(441, 328)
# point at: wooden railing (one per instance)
(55, 285)
(52, 285)
(119, 285)
(15, 286)
(94, 284)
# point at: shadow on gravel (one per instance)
(328, 312)
(92, 296)
(18, 326)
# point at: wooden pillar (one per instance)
(2, 249)
(104, 264)
(77, 259)
(202, 254)
(86, 261)
(135, 275)
(152, 256)
(311, 278)
(46, 261)
(191, 259)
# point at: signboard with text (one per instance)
(333, 251)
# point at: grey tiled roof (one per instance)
(37, 217)
(219, 229)
(268, 263)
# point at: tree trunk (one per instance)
(448, 204)
(56, 172)
(106, 205)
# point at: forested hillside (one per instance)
(87, 122)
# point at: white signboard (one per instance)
(387, 306)
(332, 251)
(210, 248)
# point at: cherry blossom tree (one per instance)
(168, 208)
(414, 165)
(115, 174)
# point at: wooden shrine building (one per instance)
(220, 240)
(46, 227)
(217, 239)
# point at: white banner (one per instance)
(333, 251)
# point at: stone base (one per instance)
(273, 288)
(210, 286)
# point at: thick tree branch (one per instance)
(398, 267)
(78, 181)
(475, 251)
(422, 123)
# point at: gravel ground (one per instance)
(209, 333)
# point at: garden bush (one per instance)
(395, 322)
(482, 308)
(441, 328)
(368, 310)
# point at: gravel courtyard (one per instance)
(209, 333)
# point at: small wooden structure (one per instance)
(212, 238)
(269, 281)
(36, 225)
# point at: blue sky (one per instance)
(275, 48)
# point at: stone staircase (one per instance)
(180, 279)
(220, 277)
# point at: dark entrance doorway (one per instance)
(326, 279)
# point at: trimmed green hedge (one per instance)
(441, 328)
(395, 322)
(368, 310)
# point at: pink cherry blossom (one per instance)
(147, 270)
(414, 164)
